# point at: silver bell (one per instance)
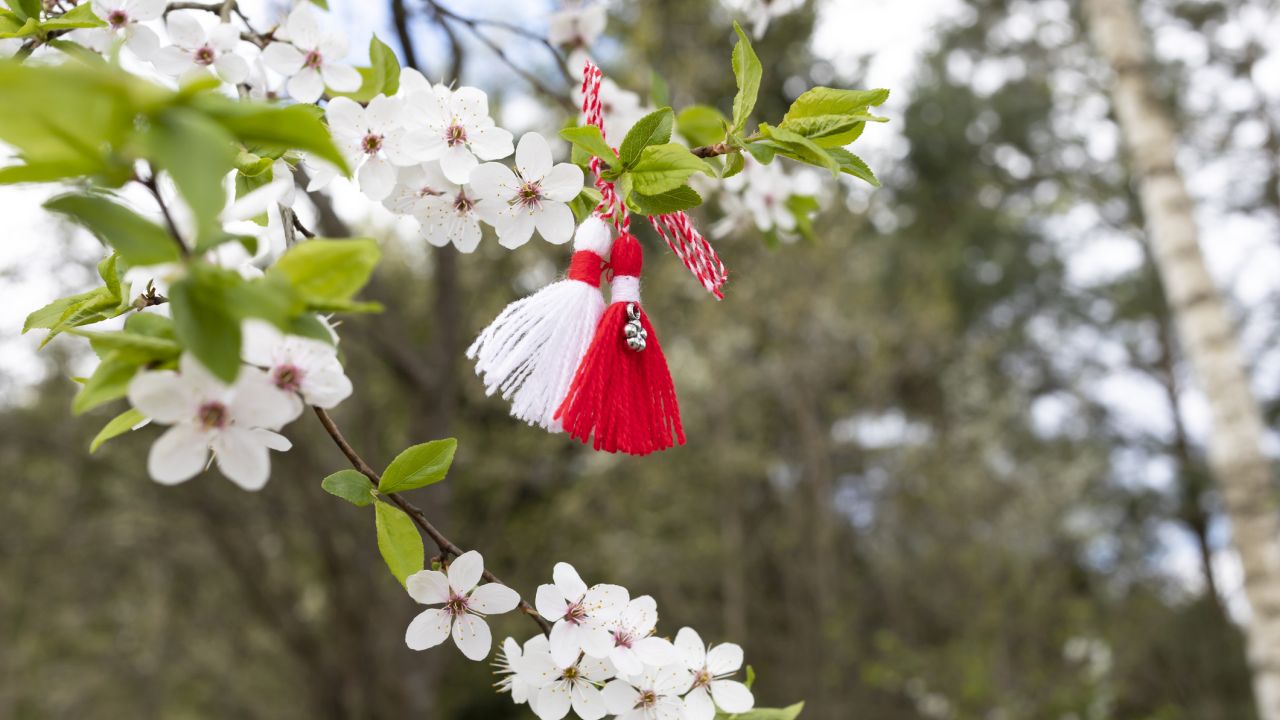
(637, 344)
(632, 330)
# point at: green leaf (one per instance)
(132, 345)
(702, 125)
(851, 164)
(828, 130)
(733, 164)
(588, 138)
(659, 95)
(674, 200)
(80, 16)
(138, 240)
(746, 72)
(349, 485)
(832, 117)
(382, 77)
(398, 541)
(419, 466)
(762, 153)
(119, 425)
(37, 172)
(204, 321)
(24, 8)
(788, 713)
(802, 208)
(584, 203)
(662, 168)
(799, 147)
(150, 325)
(323, 271)
(197, 153)
(52, 314)
(109, 381)
(652, 129)
(271, 127)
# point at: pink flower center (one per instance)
(205, 56)
(701, 679)
(313, 60)
(575, 613)
(371, 143)
(623, 638)
(117, 19)
(287, 377)
(212, 415)
(529, 195)
(648, 699)
(455, 135)
(463, 204)
(457, 605)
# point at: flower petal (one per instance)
(163, 396)
(516, 231)
(465, 572)
(605, 601)
(457, 162)
(142, 41)
(724, 659)
(346, 117)
(670, 679)
(469, 104)
(588, 703)
(550, 602)
(429, 587)
(533, 156)
(554, 701)
(303, 27)
(490, 142)
(626, 661)
(377, 178)
(555, 223)
(595, 639)
(306, 86)
(493, 599)
(185, 30)
(428, 629)
(471, 634)
(732, 696)
(465, 234)
(566, 643)
(242, 457)
(326, 386)
(655, 651)
(494, 182)
(698, 705)
(620, 697)
(232, 68)
(340, 77)
(178, 455)
(563, 183)
(257, 402)
(172, 60)
(692, 651)
(283, 58)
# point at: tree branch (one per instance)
(445, 545)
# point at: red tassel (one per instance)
(622, 398)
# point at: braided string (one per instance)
(611, 206)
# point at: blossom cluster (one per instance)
(602, 656)
(238, 422)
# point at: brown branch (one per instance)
(445, 545)
(150, 184)
(719, 148)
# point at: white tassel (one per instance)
(531, 351)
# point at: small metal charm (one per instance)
(634, 332)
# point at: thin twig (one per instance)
(444, 544)
(150, 184)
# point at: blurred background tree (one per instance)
(900, 493)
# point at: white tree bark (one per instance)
(1207, 334)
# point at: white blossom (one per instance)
(312, 57)
(577, 27)
(303, 369)
(582, 615)
(557, 687)
(123, 18)
(374, 140)
(236, 421)
(446, 212)
(634, 645)
(534, 196)
(194, 47)
(507, 667)
(460, 130)
(710, 667)
(465, 606)
(652, 695)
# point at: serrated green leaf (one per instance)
(589, 139)
(197, 153)
(828, 130)
(119, 425)
(398, 541)
(52, 314)
(130, 345)
(138, 240)
(674, 200)
(382, 77)
(832, 117)
(351, 486)
(665, 167)
(326, 271)
(851, 164)
(419, 466)
(747, 72)
(652, 129)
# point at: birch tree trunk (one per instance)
(1207, 333)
